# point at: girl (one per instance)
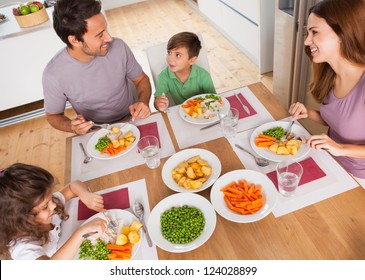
(31, 214)
(336, 47)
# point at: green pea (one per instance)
(181, 225)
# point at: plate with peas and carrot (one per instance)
(121, 245)
(243, 196)
(272, 142)
(182, 222)
(203, 108)
(114, 142)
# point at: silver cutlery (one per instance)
(87, 158)
(138, 210)
(86, 235)
(212, 124)
(243, 105)
(288, 130)
(259, 161)
(166, 110)
(104, 125)
(111, 224)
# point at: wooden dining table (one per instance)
(333, 228)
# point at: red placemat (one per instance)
(311, 172)
(149, 129)
(118, 199)
(233, 101)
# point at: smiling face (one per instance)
(322, 40)
(44, 211)
(97, 39)
(178, 60)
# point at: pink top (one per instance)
(346, 119)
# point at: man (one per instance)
(91, 72)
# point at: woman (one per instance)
(336, 46)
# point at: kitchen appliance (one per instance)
(292, 69)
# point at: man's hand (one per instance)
(139, 110)
(80, 126)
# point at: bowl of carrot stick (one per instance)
(243, 196)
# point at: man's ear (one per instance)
(73, 41)
(193, 60)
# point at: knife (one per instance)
(243, 105)
(212, 124)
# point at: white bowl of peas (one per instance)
(181, 222)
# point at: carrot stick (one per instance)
(265, 144)
(267, 137)
(243, 198)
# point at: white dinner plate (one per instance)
(179, 200)
(252, 177)
(266, 153)
(186, 117)
(123, 218)
(124, 127)
(184, 155)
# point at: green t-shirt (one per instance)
(199, 82)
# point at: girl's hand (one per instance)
(162, 103)
(93, 201)
(324, 142)
(96, 225)
(298, 111)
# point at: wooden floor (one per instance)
(140, 25)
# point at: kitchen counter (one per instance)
(24, 53)
(10, 27)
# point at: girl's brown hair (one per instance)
(347, 19)
(23, 187)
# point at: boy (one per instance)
(182, 79)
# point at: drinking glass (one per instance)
(229, 122)
(149, 148)
(289, 173)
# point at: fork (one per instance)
(288, 131)
(111, 223)
(104, 125)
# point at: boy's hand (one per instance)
(162, 103)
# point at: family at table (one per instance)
(95, 72)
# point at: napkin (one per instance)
(149, 129)
(118, 199)
(311, 172)
(237, 105)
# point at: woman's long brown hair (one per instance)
(347, 19)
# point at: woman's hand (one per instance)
(161, 103)
(324, 142)
(298, 111)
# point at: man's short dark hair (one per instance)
(69, 18)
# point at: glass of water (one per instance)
(289, 173)
(229, 122)
(149, 148)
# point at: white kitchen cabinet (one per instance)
(247, 24)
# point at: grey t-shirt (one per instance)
(98, 89)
